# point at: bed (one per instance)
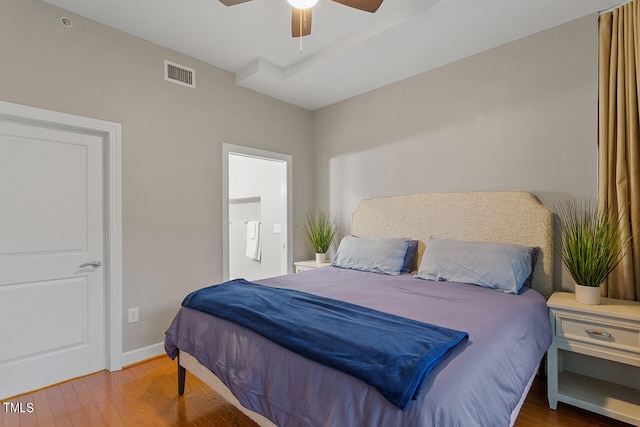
(479, 382)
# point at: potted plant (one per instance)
(592, 246)
(320, 231)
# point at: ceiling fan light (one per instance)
(302, 4)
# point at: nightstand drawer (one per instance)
(598, 332)
(309, 265)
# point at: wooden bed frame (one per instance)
(507, 217)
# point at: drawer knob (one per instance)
(598, 333)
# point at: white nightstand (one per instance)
(609, 331)
(309, 265)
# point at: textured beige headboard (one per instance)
(509, 217)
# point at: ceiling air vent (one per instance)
(179, 74)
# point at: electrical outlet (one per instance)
(133, 315)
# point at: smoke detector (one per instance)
(66, 22)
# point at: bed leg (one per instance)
(182, 374)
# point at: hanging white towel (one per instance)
(254, 248)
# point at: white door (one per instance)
(52, 310)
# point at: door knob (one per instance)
(94, 264)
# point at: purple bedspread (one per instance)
(478, 384)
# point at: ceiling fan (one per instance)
(301, 14)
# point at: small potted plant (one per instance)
(320, 231)
(592, 246)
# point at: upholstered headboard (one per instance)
(509, 217)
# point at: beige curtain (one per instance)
(619, 139)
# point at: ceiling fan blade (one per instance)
(232, 2)
(366, 5)
(300, 16)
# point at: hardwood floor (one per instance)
(145, 395)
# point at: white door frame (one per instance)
(287, 213)
(111, 137)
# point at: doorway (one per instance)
(256, 213)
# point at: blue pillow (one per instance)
(534, 259)
(412, 247)
(372, 254)
(501, 266)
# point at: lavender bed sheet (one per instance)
(478, 384)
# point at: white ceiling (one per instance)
(349, 52)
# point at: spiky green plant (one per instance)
(320, 231)
(592, 245)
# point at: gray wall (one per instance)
(171, 145)
(522, 116)
(518, 117)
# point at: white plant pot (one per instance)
(588, 294)
(321, 258)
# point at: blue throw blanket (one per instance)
(389, 352)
